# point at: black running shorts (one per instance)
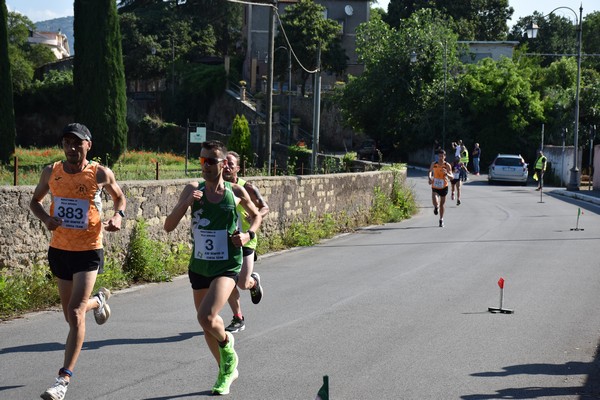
(64, 263)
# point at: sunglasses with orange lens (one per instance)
(210, 160)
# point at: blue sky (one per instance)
(40, 10)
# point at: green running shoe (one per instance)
(224, 382)
(229, 358)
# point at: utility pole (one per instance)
(316, 113)
(270, 56)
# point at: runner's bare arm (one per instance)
(41, 190)
(430, 173)
(253, 214)
(257, 199)
(106, 180)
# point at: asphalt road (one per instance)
(398, 311)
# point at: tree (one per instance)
(478, 19)
(24, 56)
(181, 42)
(473, 20)
(155, 36)
(557, 36)
(500, 109)
(99, 77)
(7, 114)
(395, 102)
(240, 139)
(308, 31)
(591, 39)
(399, 10)
(589, 107)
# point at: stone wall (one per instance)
(24, 239)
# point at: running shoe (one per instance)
(227, 368)
(452, 197)
(435, 210)
(441, 223)
(57, 391)
(102, 313)
(256, 293)
(224, 383)
(236, 325)
(458, 202)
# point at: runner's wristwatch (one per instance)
(252, 234)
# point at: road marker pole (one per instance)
(577, 228)
(501, 309)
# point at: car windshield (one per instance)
(508, 162)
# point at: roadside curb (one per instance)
(576, 195)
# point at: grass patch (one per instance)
(24, 292)
(131, 165)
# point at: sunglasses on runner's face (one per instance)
(210, 160)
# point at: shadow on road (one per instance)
(94, 345)
(591, 389)
(180, 396)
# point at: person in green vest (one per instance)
(247, 278)
(464, 159)
(540, 167)
(216, 258)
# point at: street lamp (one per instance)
(289, 68)
(531, 30)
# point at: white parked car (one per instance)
(508, 168)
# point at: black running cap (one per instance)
(79, 130)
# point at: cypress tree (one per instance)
(99, 77)
(7, 112)
(240, 140)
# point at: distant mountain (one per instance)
(64, 24)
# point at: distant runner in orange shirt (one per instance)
(76, 255)
(440, 172)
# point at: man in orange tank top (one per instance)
(76, 254)
(440, 172)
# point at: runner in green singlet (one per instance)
(216, 253)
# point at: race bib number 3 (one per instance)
(72, 212)
(210, 245)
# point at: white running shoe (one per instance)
(57, 391)
(102, 313)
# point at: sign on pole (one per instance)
(196, 134)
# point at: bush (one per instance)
(298, 159)
(27, 292)
(155, 134)
(240, 140)
(348, 159)
(151, 260)
(50, 97)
